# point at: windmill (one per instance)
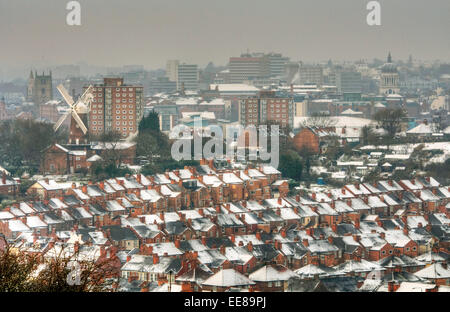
(78, 111)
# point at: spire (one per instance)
(31, 74)
(389, 58)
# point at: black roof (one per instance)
(119, 233)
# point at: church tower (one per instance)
(30, 87)
(40, 89)
(389, 80)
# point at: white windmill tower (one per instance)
(78, 111)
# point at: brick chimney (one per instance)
(382, 235)
(4, 177)
(356, 237)
(155, 258)
(204, 240)
(76, 247)
(305, 242)
(313, 196)
(233, 238)
(258, 235)
(393, 286)
(139, 178)
(250, 246)
(177, 243)
(283, 233)
(330, 239)
(279, 201)
(334, 227)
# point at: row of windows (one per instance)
(124, 89)
(124, 101)
(125, 117)
(124, 94)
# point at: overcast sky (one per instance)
(148, 32)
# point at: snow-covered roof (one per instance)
(271, 273)
(228, 278)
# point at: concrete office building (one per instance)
(187, 77)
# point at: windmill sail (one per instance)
(82, 106)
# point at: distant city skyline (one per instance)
(116, 33)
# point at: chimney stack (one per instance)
(250, 246)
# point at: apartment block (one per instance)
(116, 107)
(267, 107)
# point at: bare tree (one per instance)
(390, 120)
(318, 120)
(23, 271)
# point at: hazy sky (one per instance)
(148, 32)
